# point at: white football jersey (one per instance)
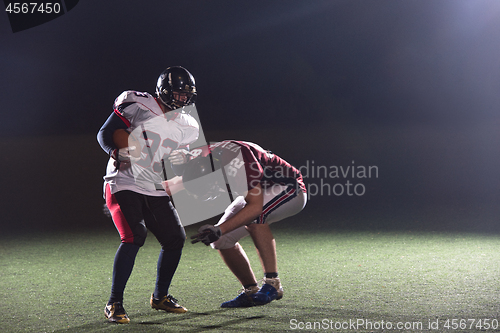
(158, 133)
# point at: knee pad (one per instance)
(139, 241)
(175, 244)
(174, 241)
(140, 234)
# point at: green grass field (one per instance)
(332, 279)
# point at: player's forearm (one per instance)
(253, 208)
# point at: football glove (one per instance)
(178, 157)
(207, 234)
(123, 154)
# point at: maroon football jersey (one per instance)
(246, 165)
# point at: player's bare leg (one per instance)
(238, 263)
(266, 248)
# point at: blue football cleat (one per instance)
(270, 290)
(243, 300)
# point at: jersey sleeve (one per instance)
(132, 106)
(128, 107)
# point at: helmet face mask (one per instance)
(173, 84)
(203, 178)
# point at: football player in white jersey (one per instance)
(132, 185)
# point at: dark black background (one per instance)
(411, 87)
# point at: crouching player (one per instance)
(266, 189)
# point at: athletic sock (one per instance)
(272, 275)
(167, 265)
(122, 268)
(247, 286)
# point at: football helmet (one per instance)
(201, 179)
(176, 79)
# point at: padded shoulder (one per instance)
(130, 101)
